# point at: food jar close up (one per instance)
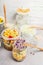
(9, 37)
(19, 51)
(22, 17)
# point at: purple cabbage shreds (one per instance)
(20, 41)
(16, 44)
(23, 41)
(19, 44)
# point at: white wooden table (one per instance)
(36, 7)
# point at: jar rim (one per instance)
(9, 38)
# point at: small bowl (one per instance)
(2, 24)
(3, 20)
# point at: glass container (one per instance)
(22, 17)
(19, 51)
(9, 36)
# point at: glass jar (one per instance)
(2, 21)
(19, 53)
(8, 44)
(27, 32)
(22, 18)
(30, 35)
(9, 37)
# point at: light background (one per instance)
(36, 18)
(36, 9)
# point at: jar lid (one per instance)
(23, 11)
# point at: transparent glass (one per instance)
(8, 42)
(22, 19)
(19, 51)
(19, 55)
(30, 37)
